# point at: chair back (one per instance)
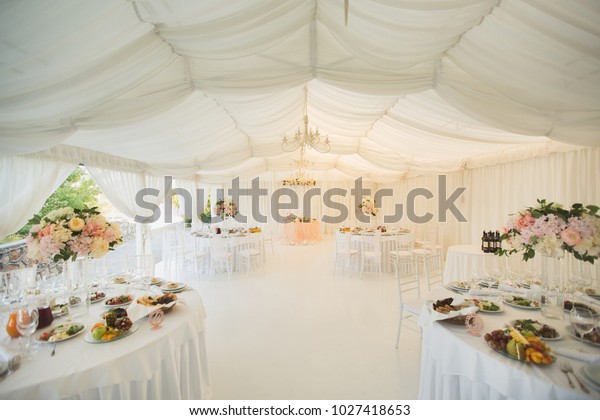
(371, 244)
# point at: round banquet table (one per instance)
(388, 239)
(458, 366)
(462, 261)
(165, 363)
(300, 232)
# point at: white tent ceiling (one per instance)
(210, 87)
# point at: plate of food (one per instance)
(173, 287)
(119, 312)
(459, 286)
(568, 305)
(155, 281)
(448, 305)
(102, 333)
(97, 296)
(531, 327)
(593, 293)
(592, 338)
(511, 343)
(61, 333)
(488, 306)
(59, 309)
(120, 300)
(521, 302)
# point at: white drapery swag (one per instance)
(25, 184)
(388, 88)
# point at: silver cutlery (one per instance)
(567, 368)
(53, 350)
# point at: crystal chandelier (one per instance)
(306, 138)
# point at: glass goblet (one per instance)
(27, 322)
(582, 320)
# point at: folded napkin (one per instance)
(484, 292)
(575, 354)
(9, 359)
(429, 315)
(528, 293)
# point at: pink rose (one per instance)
(570, 236)
(524, 221)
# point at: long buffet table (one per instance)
(165, 363)
(457, 365)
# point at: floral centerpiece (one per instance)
(69, 233)
(368, 206)
(551, 230)
(308, 182)
(225, 208)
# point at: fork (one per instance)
(569, 369)
(53, 350)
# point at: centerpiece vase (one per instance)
(76, 277)
(552, 288)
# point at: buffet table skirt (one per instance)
(165, 363)
(300, 232)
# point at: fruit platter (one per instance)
(521, 302)
(446, 306)
(512, 344)
(533, 328)
(487, 306)
(118, 313)
(61, 333)
(111, 329)
(120, 300)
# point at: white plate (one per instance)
(534, 304)
(118, 304)
(587, 380)
(459, 286)
(60, 310)
(592, 372)
(88, 337)
(501, 309)
(173, 287)
(571, 332)
(156, 281)
(65, 327)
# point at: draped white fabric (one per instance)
(26, 184)
(211, 87)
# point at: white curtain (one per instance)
(25, 184)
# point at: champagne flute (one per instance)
(27, 322)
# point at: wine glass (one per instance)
(27, 322)
(582, 319)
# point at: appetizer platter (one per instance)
(592, 338)
(97, 296)
(445, 306)
(511, 343)
(120, 300)
(113, 328)
(534, 328)
(59, 309)
(521, 302)
(568, 305)
(61, 333)
(488, 306)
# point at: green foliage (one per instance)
(78, 191)
(205, 216)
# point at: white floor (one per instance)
(299, 332)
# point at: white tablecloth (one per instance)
(166, 363)
(457, 365)
(462, 261)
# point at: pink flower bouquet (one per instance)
(69, 233)
(551, 230)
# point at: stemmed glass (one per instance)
(582, 319)
(27, 322)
